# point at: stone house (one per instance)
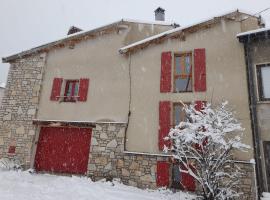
(2, 89)
(257, 47)
(99, 102)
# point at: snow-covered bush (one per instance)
(203, 146)
(9, 164)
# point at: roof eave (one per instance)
(44, 48)
(254, 36)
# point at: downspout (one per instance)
(254, 119)
(129, 100)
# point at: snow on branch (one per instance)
(203, 144)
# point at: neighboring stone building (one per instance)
(77, 105)
(2, 89)
(257, 51)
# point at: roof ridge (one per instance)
(165, 33)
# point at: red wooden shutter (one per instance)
(162, 179)
(83, 90)
(164, 123)
(166, 72)
(199, 105)
(199, 70)
(11, 149)
(187, 180)
(56, 89)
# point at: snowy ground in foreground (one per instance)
(23, 185)
(266, 196)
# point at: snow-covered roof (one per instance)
(176, 30)
(260, 30)
(164, 23)
(82, 34)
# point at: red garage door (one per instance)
(63, 150)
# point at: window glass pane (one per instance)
(69, 89)
(178, 64)
(183, 84)
(76, 90)
(177, 114)
(176, 174)
(266, 81)
(187, 64)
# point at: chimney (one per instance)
(73, 29)
(160, 14)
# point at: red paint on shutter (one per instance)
(11, 149)
(199, 70)
(162, 179)
(199, 105)
(164, 123)
(83, 90)
(56, 89)
(166, 72)
(188, 182)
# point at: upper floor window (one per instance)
(183, 72)
(71, 90)
(263, 74)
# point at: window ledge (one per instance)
(263, 102)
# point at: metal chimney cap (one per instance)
(159, 9)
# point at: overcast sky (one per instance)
(28, 23)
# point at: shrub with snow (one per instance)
(9, 164)
(203, 146)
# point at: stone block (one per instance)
(103, 136)
(20, 130)
(94, 141)
(98, 127)
(7, 117)
(101, 160)
(120, 163)
(134, 166)
(112, 144)
(111, 128)
(121, 133)
(112, 155)
(31, 111)
(92, 167)
(108, 167)
(147, 178)
(98, 149)
(125, 172)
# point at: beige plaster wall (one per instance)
(226, 80)
(97, 59)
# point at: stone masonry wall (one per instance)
(107, 159)
(19, 106)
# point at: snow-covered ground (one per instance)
(18, 185)
(266, 196)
